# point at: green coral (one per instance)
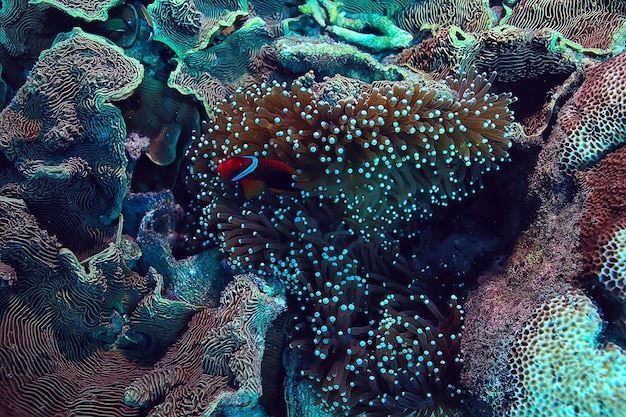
(211, 73)
(189, 26)
(86, 10)
(373, 31)
(328, 57)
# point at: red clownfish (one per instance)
(255, 174)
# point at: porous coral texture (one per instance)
(559, 365)
(593, 120)
(613, 268)
(604, 221)
(65, 140)
(595, 24)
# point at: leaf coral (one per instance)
(70, 342)
(65, 140)
(89, 11)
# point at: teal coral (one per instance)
(560, 343)
(190, 26)
(212, 73)
(89, 11)
(65, 106)
(326, 57)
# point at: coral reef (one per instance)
(345, 136)
(73, 339)
(93, 10)
(588, 133)
(357, 227)
(429, 15)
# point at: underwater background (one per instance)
(312, 208)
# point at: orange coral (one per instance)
(604, 221)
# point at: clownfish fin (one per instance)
(252, 188)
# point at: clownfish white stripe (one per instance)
(249, 170)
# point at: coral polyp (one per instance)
(389, 150)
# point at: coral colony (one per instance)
(312, 208)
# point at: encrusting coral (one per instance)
(559, 365)
(592, 121)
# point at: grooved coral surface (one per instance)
(595, 24)
(212, 73)
(218, 360)
(187, 26)
(65, 140)
(594, 119)
(87, 10)
(469, 15)
(70, 342)
(513, 54)
(561, 368)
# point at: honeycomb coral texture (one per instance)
(560, 367)
(613, 258)
(594, 120)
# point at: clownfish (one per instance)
(255, 174)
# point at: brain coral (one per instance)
(560, 367)
(593, 120)
(595, 24)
